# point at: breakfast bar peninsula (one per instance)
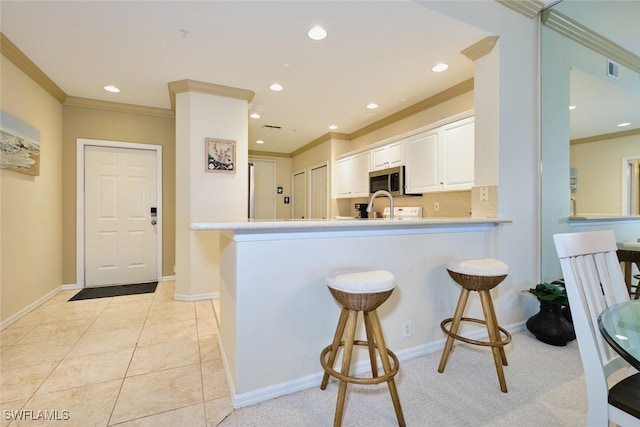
(276, 313)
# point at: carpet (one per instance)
(115, 291)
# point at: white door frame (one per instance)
(81, 144)
(626, 181)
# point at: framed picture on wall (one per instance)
(220, 155)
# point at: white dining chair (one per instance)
(594, 281)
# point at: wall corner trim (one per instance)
(589, 38)
(186, 85)
(481, 48)
(528, 8)
(20, 60)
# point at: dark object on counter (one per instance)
(361, 210)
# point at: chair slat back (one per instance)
(594, 281)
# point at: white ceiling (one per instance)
(376, 51)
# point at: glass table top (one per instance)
(620, 326)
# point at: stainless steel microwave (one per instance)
(391, 180)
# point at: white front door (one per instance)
(120, 187)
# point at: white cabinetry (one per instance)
(421, 171)
(458, 156)
(388, 156)
(352, 176)
(441, 159)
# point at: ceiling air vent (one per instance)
(272, 127)
(612, 69)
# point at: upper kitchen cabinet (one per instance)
(352, 175)
(441, 159)
(387, 156)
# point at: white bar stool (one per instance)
(479, 275)
(360, 290)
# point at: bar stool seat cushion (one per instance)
(478, 267)
(361, 281)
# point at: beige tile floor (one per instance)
(137, 360)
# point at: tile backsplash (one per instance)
(452, 204)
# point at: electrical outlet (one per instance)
(436, 206)
(406, 329)
(484, 193)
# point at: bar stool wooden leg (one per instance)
(371, 344)
(346, 365)
(342, 321)
(492, 309)
(494, 336)
(384, 356)
(455, 324)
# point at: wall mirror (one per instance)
(604, 146)
(578, 39)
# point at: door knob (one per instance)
(154, 222)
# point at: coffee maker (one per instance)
(361, 210)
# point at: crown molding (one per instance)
(257, 153)
(20, 60)
(73, 101)
(480, 49)
(528, 8)
(324, 138)
(186, 85)
(439, 98)
(604, 137)
(589, 38)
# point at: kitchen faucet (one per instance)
(573, 204)
(386, 193)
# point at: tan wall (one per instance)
(31, 233)
(599, 166)
(90, 123)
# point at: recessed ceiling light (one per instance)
(572, 107)
(372, 106)
(438, 68)
(259, 141)
(621, 125)
(276, 87)
(333, 127)
(255, 116)
(111, 88)
(317, 33)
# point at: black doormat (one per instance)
(115, 291)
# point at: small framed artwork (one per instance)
(220, 155)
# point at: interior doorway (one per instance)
(119, 213)
(299, 195)
(631, 186)
(318, 184)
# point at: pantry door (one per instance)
(120, 215)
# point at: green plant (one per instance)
(553, 292)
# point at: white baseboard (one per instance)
(199, 297)
(362, 367)
(168, 278)
(12, 319)
(70, 287)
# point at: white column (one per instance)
(205, 110)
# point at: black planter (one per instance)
(550, 325)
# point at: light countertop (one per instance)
(333, 224)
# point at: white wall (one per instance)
(202, 196)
